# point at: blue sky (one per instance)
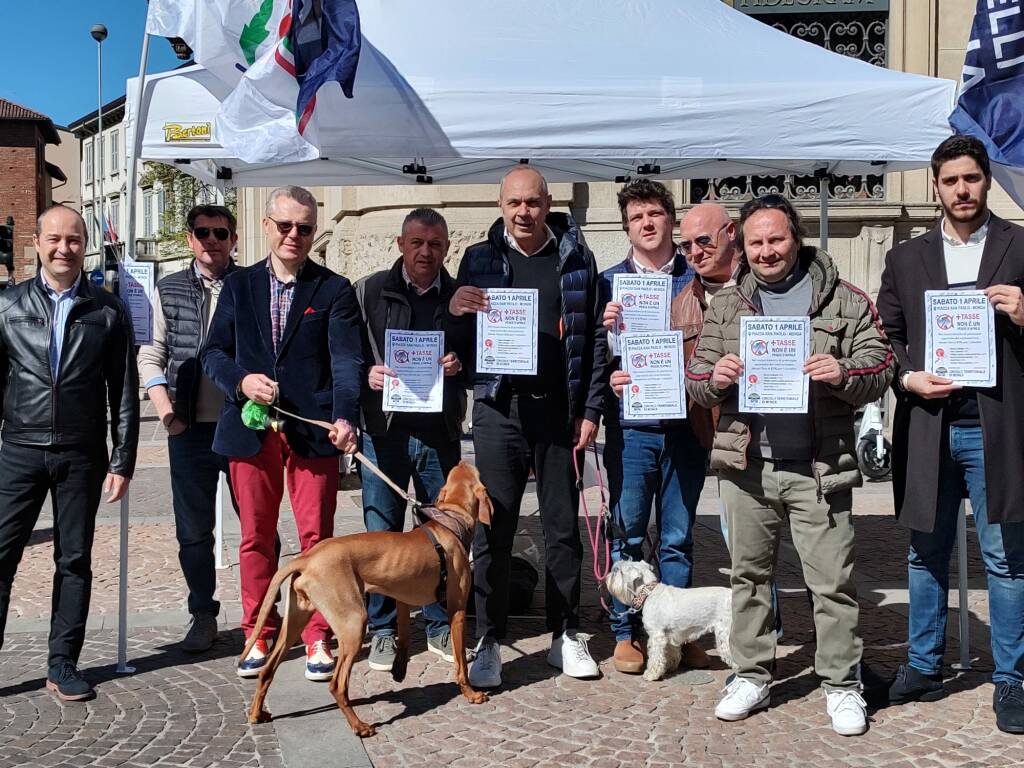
(48, 59)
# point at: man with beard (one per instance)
(949, 440)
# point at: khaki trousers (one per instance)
(757, 502)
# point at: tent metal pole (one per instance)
(964, 611)
(133, 164)
(823, 210)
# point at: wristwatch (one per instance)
(904, 375)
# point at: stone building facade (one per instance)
(868, 215)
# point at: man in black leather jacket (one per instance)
(66, 356)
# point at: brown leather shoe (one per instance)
(693, 657)
(629, 657)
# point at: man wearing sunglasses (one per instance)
(286, 332)
(188, 405)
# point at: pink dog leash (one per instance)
(597, 529)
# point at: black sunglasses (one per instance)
(706, 242)
(284, 227)
(221, 233)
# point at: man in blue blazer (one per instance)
(286, 331)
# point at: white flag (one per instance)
(226, 36)
(239, 41)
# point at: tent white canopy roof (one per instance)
(586, 90)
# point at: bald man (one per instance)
(522, 422)
(66, 358)
(662, 463)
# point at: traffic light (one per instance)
(7, 244)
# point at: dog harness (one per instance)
(442, 586)
(453, 524)
(446, 519)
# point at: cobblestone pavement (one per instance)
(175, 710)
(178, 710)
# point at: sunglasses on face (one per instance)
(706, 242)
(221, 233)
(285, 227)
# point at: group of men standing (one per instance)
(288, 332)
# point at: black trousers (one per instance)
(510, 436)
(73, 477)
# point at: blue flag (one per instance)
(325, 43)
(991, 102)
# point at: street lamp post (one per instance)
(99, 34)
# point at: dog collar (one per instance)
(641, 595)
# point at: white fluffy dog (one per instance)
(671, 616)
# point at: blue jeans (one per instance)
(194, 472)
(401, 456)
(666, 469)
(1002, 549)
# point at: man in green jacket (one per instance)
(796, 465)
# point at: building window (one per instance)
(147, 213)
(115, 152)
(115, 218)
(87, 150)
(90, 222)
(858, 34)
(161, 203)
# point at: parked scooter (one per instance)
(874, 453)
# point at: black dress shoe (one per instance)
(912, 685)
(67, 682)
(1008, 704)
(876, 687)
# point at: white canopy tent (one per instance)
(586, 90)
(455, 91)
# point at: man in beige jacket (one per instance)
(188, 405)
(798, 466)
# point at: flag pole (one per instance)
(133, 165)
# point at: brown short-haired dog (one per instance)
(334, 576)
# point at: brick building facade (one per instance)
(25, 177)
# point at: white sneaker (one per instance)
(742, 696)
(570, 654)
(485, 671)
(848, 711)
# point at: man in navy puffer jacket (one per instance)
(523, 422)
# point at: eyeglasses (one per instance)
(706, 242)
(285, 227)
(221, 233)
